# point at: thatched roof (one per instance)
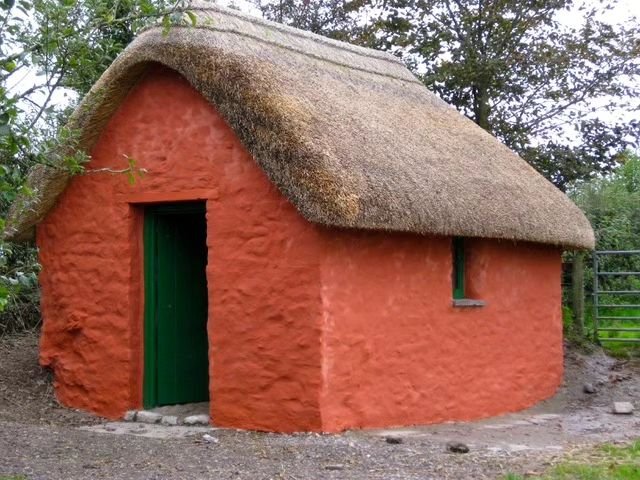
(346, 133)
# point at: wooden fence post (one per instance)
(577, 291)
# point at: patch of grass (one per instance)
(607, 462)
(621, 350)
(615, 349)
(13, 477)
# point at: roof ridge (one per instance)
(338, 44)
(407, 79)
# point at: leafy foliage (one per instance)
(612, 204)
(336, 19)
(51, 53)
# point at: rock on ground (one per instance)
(148, 417)
(196, 420)
(623, 408)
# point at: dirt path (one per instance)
(42, 440)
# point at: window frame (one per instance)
(459, 258)
(458, 273)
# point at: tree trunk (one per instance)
(481, 107)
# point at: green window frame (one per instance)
(458, 273)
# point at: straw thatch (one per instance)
(346, 133)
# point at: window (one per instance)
(458, 268)
(459, 273)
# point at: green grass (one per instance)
(619, 349)
(13, 477)
(607, 462)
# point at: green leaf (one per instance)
(192, 17)
(26, 190)
(9, 66)
(166, 25)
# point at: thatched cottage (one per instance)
(319, 243)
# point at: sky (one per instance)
(623, 11)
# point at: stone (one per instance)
(169, 420)
(148, 417)
(393, 439)
(209, 439)
(589, 388)
(196, 420)
(622, 408)
(130, 416)
(457, 447)
(337, 466)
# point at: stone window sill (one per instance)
(468, 303)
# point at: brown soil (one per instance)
(26, 390)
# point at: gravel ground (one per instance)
(42, 440)
(51, 452)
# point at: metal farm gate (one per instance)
(616, 296)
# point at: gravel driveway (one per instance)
(52, 452)
(41, 440)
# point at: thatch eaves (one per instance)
(348, 134)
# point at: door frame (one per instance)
(150, 325)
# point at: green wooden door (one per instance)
(176, 345)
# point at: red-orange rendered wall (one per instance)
(309, 328)
(395, 350)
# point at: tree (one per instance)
(548, 89)
(51, 53)
(612, 205)
(337, 19)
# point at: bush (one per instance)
(21, 300)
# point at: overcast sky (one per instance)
(626, 9)
(623, 11)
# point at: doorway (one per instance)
(176, 360)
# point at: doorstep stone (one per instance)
(148, 417)
(196, 420)
(169, 420)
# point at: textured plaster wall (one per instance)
(395, 350)
(263, 271)
(309, 328)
